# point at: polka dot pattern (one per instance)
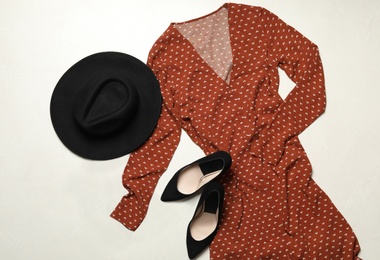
(219, 81)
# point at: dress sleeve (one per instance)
(300, 60)
(146, 165)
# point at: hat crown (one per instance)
(105, 105)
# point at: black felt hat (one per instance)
(106, 105)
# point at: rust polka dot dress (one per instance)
(219, 81)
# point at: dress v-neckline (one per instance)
(216, 53)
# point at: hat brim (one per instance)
(137, 130)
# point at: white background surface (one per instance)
(56, 205)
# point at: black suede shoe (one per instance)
(190, 178)
(204, 224)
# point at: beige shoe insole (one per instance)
(192, 178)
(203, 225)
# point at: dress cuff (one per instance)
(129, 212)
